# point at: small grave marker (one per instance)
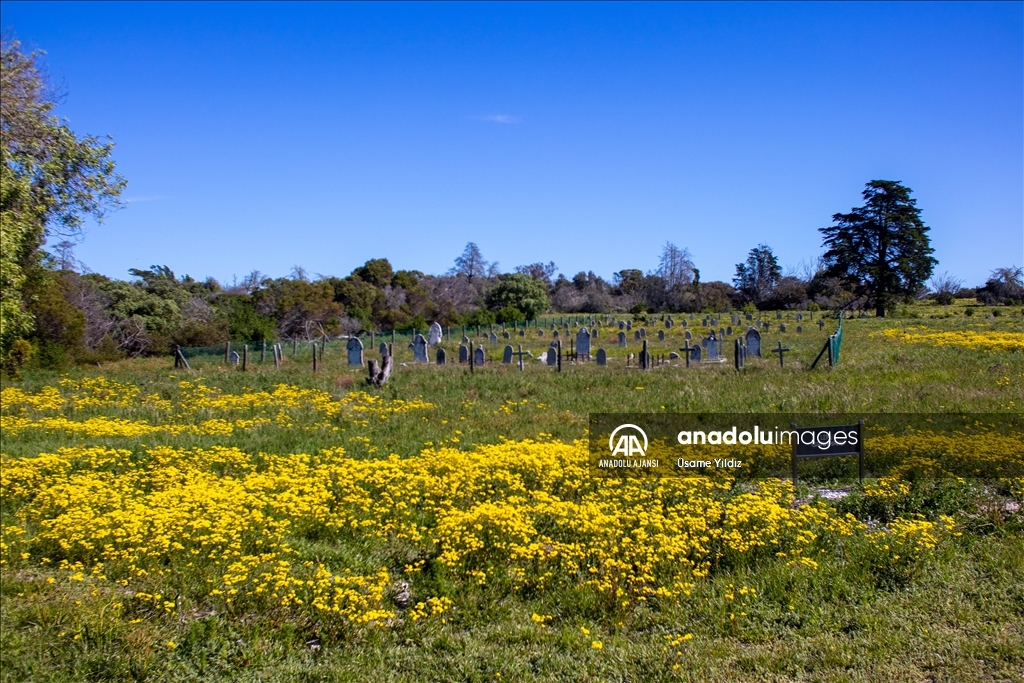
(463, 354)
(355, 351)
(506, 357)
(602, 357)
(442, 357)
(480, 356)
(753, 338)
(419, 349)
(622, 339)
(780, 350)
(434, 334)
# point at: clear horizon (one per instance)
(261, 136)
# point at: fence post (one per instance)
(245, 358)
(227, 352)
(314, 356)
(263, 352)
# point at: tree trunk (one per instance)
(378, 377)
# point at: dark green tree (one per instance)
(760, 275)
(881, 250)
(521, 292)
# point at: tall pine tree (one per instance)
(881, 250)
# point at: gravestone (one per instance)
(552, 356)
(583, 342)
(683, 323)
(661, 335)
(506, 335)
(434, 334)
(688, 335)
(799, 329)
(799, 317)
(629, 325)
(778, 316)
(383, 350)
(493, 338)
(540, 333)
(479, 357)
(463, 354)
(749, 317)
(506, 357)
(622, 325)
(602, 357)
(712, 349)
(714, 322)
(355, 351)
(235, 357)
(595, 334)
(643, 333)
(465, 339)
(442, 357)
(554, 334)
(419, 349)
(695, 354)
(728, 330)
(622, 339)
(672, 355)
(636, 335)
(753, 338)
(821, 325)
(782, 327)
(522, 333)
(721, 332)
(767, 325)
(669, 322)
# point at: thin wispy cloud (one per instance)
(501, 118)
(138, 200)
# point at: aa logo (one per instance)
(628, 445)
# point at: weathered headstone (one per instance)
(688, 335)
(683, 323)
(661, 335)
(555, 334)
(622, 325)
(622, 339)
(235, 357)
(434, 334)
(463, 354)
(602, 357)
(643, 333)
(712, 349)
(480, 356)
(750, 316)
(506, 357)
(419, 349)
(552, 358)
(442, 357)
(583, 342)
(465, 339)
(778, 316)
(522, 333)
(493, 338)
(753, 338)
(695, 353)
(540, 332)
(629, 325)
(669, 322)
(355, 351)
(799, 329)
(721, 332)
(799, 317)
(672, 355)
(506, 335)
(782, 327)
(728, 330)
(636, 335)
(821, 324)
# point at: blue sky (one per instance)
(263, 136)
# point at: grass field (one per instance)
(163, 524)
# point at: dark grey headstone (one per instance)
(383, 350)
(750, 316)
(799, 317)
(721, 332)
(465, 339)
(419, 349)
(661, 335)
(683, 323)
(753, 339)
(622, 339)
(728, 330)
(688, 335)
(553, 355)
(493, 338)
(622, 325)
(672, 355)
(602, 357)
(636, 335)
(712, 349)
(522, 333)
(555, 334)
(643, 333)
(235, 357)
(506, 357)
(355, 351)
(782, 327)
(583, 342)
(442, 357)
(799, 329)
(480, 357)
(540, 333)
(506, 335)
(463, 354)
(695, 353)
(629, 325)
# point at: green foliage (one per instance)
(521, 292)
(509, 314)
(881, 250)
(758, 277)
(245, 323)
(377, 272)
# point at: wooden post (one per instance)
(227, 352)
(373, 339)
(263, 352)
(645, 359)
(472, 354)
(686, 352)
(559, 355)
(245, 358)
(792, 425)
(314, 357)
(277, 357)
(295, 346)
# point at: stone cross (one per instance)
(780, 351)
(821, 324)
(520, 353)
(355, 351)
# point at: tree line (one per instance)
(54, 313)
